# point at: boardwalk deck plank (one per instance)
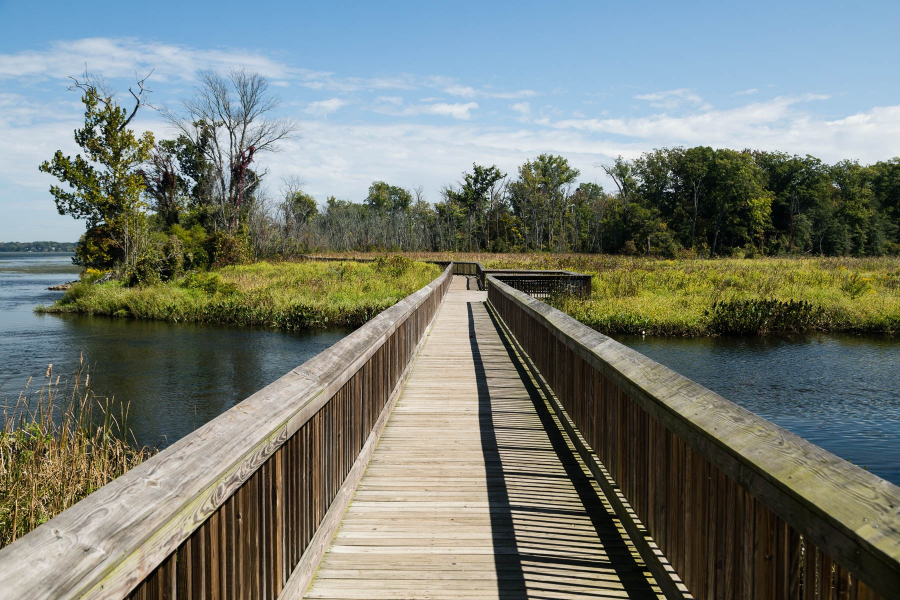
(474, 491)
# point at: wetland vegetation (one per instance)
(698, 297)
(286, 295)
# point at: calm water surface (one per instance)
(840, 392)
(175, 377)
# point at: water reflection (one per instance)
(838, 391)
(175, 377)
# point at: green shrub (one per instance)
(210, 283)
(228, 249)
(194, 242)
(763, 316)
(171, 264)
(146, 269)
(79, 289)
(856, 285)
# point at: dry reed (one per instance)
(59, 443)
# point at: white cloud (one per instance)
(444, 109)
(394, 100)
(343, 159)
(323, 108)
(777, 124)
(748, 92)
(125, 57)
(457, 111)
(670, 99)
(523, 108)
(454, 88)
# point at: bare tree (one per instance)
(230, 120)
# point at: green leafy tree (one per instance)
(739, 204)
(591, 204)
(478, 198)
(860, 230)
(105, 187)
(692, 170)
(886, 187)
(165, 186)
(301, 206)
(388, 199)
(538, 199)
(798, 184)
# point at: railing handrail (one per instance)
(117, 535)
(851, 513)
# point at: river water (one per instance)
(841, 392)
(174, 377)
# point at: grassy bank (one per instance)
(287, 295)
(58, 444)
(708, 297)
(703, 297)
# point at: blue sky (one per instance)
(415, 92)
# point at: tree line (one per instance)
(671, 202)
(156, 208)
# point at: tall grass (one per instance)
(696, 297)
(287, 295)
(58, 444)
(704, 297)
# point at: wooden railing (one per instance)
(544, 284)
(737, 506)
(540, 284)
(245, 506)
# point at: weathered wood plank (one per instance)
(474, 490)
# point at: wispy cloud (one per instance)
(454, 88)
(393, 100)
(747, 92)
(393, 105)
(125, 57)
(671, 99)
(323, 108)
(457, 110)
(777, 124)
(523, 108)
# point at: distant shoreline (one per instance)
(38, 247)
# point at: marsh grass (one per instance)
(695, 297)
(286, 295)
(704, 297)
(58, 444)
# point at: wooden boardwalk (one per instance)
(474, 491)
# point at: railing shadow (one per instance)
(542, 546)
(511, 578)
